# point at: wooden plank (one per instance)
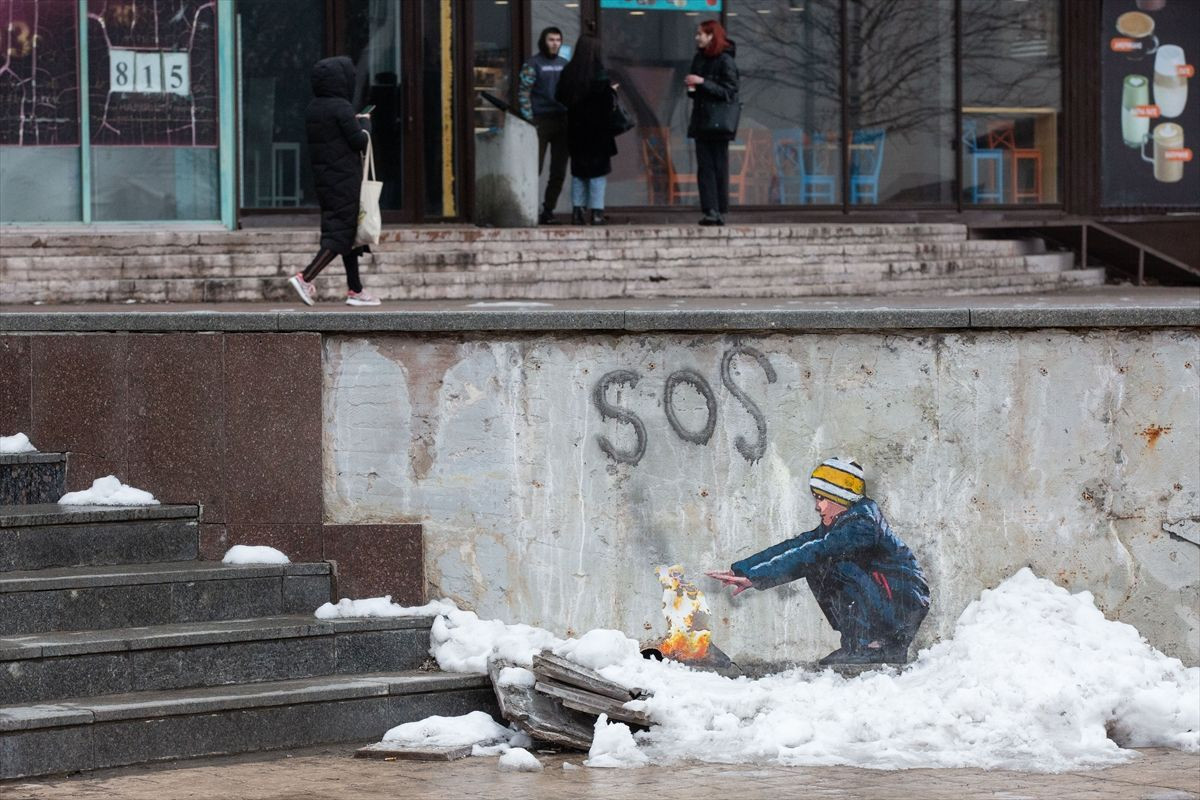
(541, 716)
(580, 700)
(556, 668)
(391, 752)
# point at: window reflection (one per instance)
(1011, 74)
(900, 97)
(788, 150)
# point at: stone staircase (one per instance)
(118, 646)
(548, 263)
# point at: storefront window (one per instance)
(788, 150)
(493, 70)
(648, 49)
(277, 51)
(376, 42)
(1012, 96)
(39, 111)
(153, 110)
(900, 97)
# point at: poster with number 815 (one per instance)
(151, 72)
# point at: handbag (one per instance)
(370, 221)
(620, 120)
(721, 118)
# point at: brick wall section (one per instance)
(230, 421)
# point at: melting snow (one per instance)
(1034, 678)
(254, 554)
(519, 759)
(17, 443)
(108, 491)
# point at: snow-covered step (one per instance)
(32, 478)
(44, 667)
(43, 536)
(117, 730)
(98, 598)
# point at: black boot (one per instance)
(546, 216)
(598, 216)
(577, 216)
(711, 218)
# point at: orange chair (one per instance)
(753, 169)
(1004, 135)
(663, 183)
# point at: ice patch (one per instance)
(613, 747)
(476, 728)
(17, 443)
(108, 491)
(254, 554)
(518, 759)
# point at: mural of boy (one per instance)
(865, 579)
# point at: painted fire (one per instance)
(686, 610)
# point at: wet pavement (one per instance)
(332, 772)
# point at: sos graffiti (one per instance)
(751, 451)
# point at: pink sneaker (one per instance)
(306, 290)
(361, 299)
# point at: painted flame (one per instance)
(687, 612)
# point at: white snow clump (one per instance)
(518, 759)
(613, 747)
(108, 491)
(17, 443)
(254, 554)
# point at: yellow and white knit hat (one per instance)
(840, 480)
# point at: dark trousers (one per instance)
(865, 607)
(349, 261)
(712, 175)
(552, 134)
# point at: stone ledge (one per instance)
(135, 574)
(32, 458)
(30, 516)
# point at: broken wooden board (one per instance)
(541, 716)
(556, 668)
(386, 751)
(588, 702)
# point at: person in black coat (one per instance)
(337, 138)
(712, 84)
(588, 94)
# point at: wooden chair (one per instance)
(663, 183)
(1004, 136)
(751, 173)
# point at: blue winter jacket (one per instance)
(861, 535)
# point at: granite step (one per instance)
(44, 667)
(117, 596)
(44, 536)
(32, 478)
(117, 730)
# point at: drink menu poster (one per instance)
(1150, 104)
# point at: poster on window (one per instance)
(703, 6)
(39, 73)
(1151, 127)
(153, 72)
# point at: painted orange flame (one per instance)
(686, 611)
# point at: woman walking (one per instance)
(713, 86)
(336, 139)
(585, 90)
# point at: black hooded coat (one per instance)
(336, 141)
(720, 87)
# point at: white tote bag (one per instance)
(369, 220)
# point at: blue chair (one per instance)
(797, 182)
(866, 162)
(980, 156)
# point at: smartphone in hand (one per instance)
(367, 110)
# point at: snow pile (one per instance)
(518, 759)
(380, 607)
(516, 676)
(478, 727)
(254, 554)
(1034, 678)
(108, 491)
(17, 443)
(613, 747)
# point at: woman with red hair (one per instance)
(712, 84)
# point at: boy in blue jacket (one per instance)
(865, 579)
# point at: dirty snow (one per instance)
(1033, 678)
(17, 443)
(477, 727)
(518, 759)
(254, 554)
(108, 491)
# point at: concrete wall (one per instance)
(1062, 450)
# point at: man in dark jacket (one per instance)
(535, 100)
(865, 579)
(337, 137)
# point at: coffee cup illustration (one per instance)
(1138, 32)
(1151, 5)
(1135, 97)
(1169, 153)
(1170, 83)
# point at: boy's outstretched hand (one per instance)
(728, 578)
